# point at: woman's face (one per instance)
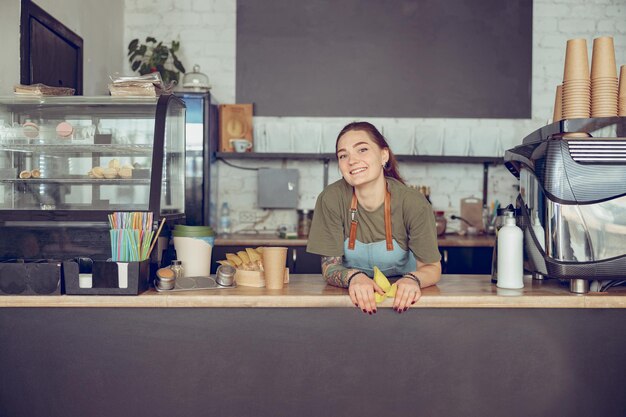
(360, 159)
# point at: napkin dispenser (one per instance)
(572, 199)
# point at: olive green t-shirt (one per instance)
(412, 222)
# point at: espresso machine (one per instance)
(572, 200)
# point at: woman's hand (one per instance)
(362, 290)
(408, 293)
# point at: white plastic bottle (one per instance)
(510, 255)
(224, 219)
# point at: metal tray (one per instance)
(195, 284)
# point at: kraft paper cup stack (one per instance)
(622, 92)
(603, 78)
(274, 261)
(558, 101)
(576, 102)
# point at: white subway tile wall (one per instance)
(207, 31)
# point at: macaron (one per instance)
(125, 172)
(110, 173)
(97, 172)
(114, 163)
(31, 130)
(64, 129)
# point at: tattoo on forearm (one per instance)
(334, 272)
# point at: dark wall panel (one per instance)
(371, 58)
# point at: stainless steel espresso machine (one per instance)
(572, 200)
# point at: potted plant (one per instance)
(154, 56)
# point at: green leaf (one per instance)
(144, 69)
(133, 45)
(150, 39)
(179, 66)
(160, 55)
(175, 46)
(142, 50)
(136, 65)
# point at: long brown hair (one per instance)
(391, 168)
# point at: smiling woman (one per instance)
(369, 219)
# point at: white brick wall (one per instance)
(207, 31)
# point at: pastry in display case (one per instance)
(68, 162)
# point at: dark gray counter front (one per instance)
(311, 362)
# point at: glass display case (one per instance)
(68, 162)
(79, 158)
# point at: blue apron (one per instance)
(365, 256)
(386, 254)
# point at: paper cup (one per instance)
(558, 104)
(603, 58)
(576, 60)
(274, 261)
(195, 254)
(622, 81)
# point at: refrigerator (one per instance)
(201, 131)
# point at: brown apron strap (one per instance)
(354, 222)
(388, 237)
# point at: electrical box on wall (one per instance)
(278, 188)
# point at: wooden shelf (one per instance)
(492, 160)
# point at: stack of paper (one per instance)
(149, 85)
(42, 90)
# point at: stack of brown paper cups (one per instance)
(274, 261)
(622, 92)
(603, 78)
(558, 114)
(576, 102)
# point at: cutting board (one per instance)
(235, 123)
(472, 211)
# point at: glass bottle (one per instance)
(224, 218)
(177, 269)
(440, 222)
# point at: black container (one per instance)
(105, 278)
(30, 278)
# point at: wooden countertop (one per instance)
(454, 291)
(270, 239)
